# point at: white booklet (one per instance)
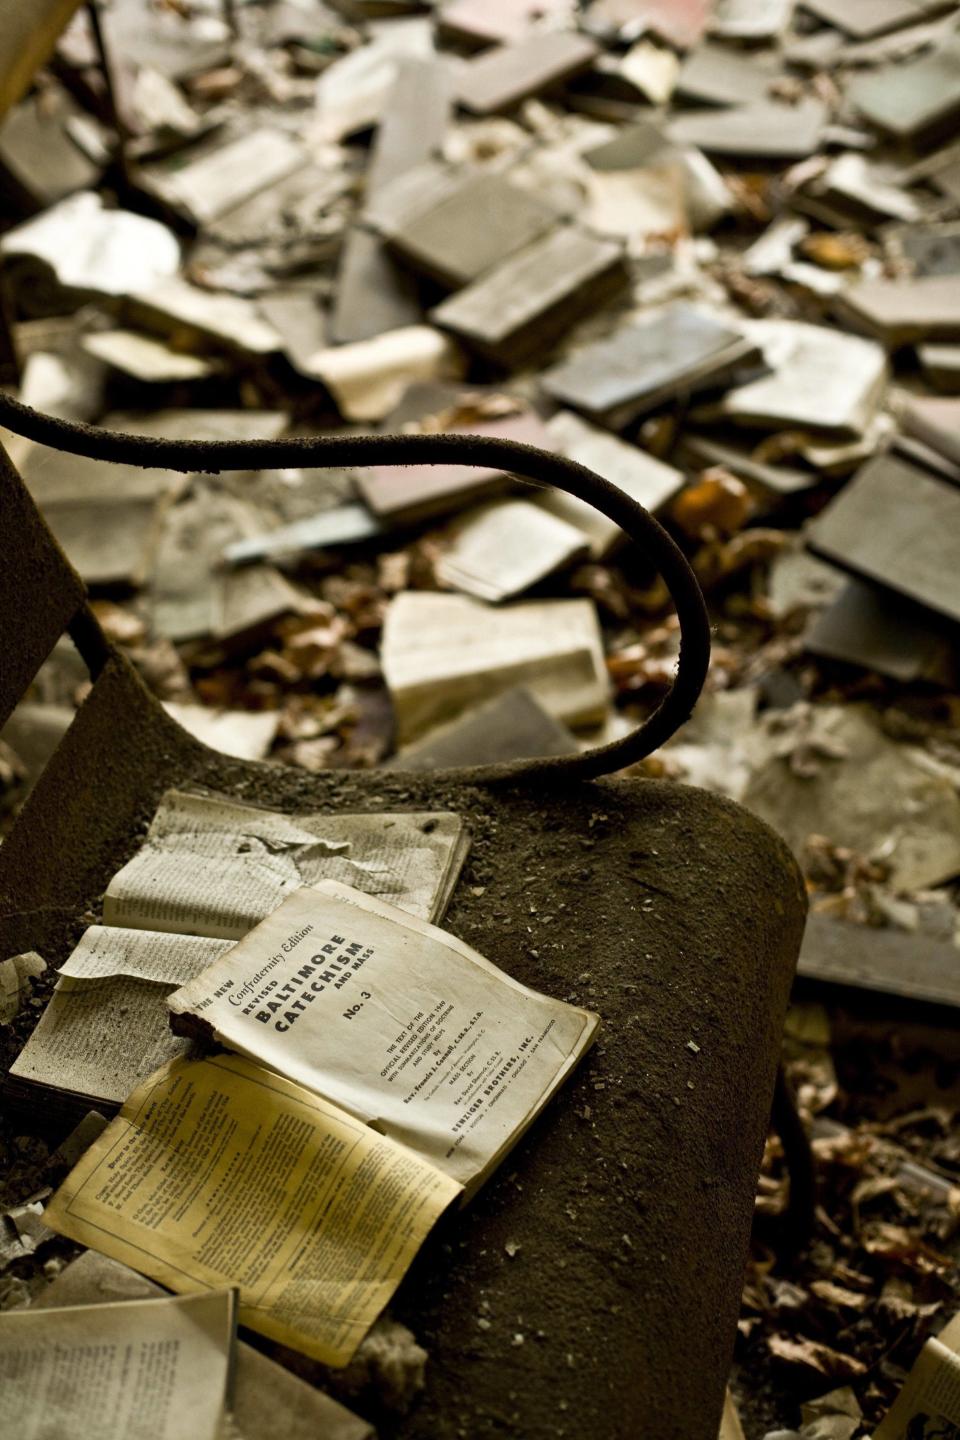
(401, 1024)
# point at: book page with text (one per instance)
(213, 867)
(217, 1172)
(928, 1406)
(134, 1370)
(106, 1025)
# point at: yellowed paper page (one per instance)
(730, 1427)
(99, 1041)
(403, 1025)
(218, 1172)
(137, 1370)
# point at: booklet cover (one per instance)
(405, 1026)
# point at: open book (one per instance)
(401, 1024)
(209, 870)
(210, 866)
(386, 1069)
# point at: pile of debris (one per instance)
(710, 250)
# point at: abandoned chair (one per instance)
(592, 1288)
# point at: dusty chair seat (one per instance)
(592, 1288)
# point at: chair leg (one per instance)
(110, 92)
(796, 1226)
(9, 359)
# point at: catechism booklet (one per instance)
(403, 1025)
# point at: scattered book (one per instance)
(442, 654)
(530, 299)
(511, 726)
(231, 322)
(410, 493)
(767, 128)
(442, 239)
(502, 77)
(896, 524)
(819, 380)
(498, 550)
(101, 1369)
(903, 311)
(676, 350)
(929, 1403)
(391, 1068)
(219, 177)
(216, 1168)
(105, 1026)
(649, 481)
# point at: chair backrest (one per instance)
(41, 595)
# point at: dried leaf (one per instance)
(835, 250)
(814, 1358)
(717, 502)
(836, 1295)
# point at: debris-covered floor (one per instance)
(710, 250)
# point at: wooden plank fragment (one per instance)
(28, 35)
(888, 962)
(39, 161)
